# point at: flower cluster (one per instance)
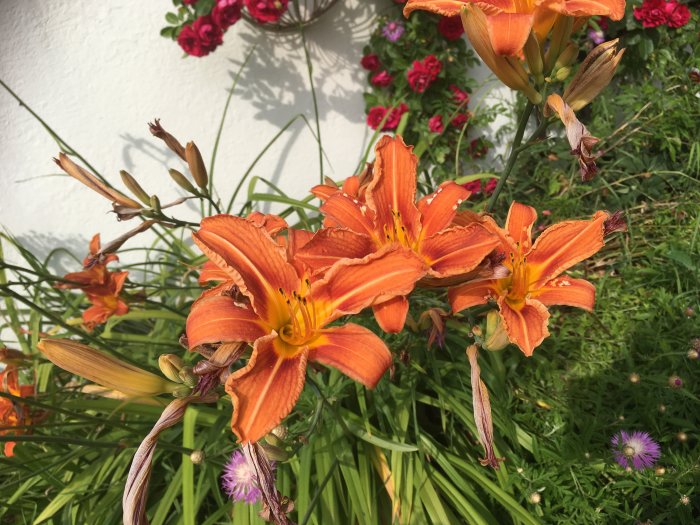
(102, 287)
(416, 71)
(199, 27)
(654, 13)
(13, 413)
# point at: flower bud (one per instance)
(562, 73)
(196, 165)
(693, 354)
(660, 471)
(197, 457)
(275, 453)
(103, 369)
(535, 498)
(662, 409)
(182, 181)
(188, 377)
(594, 73)
(533, 56)
(135, 187)
(171, 365)
(157, 131)
(568, 56)
(634, 378)
(155, 203)
(682, 437)
(496, 337)
(675, 382)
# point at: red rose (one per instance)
(189, 2)
(677, 14)
(433, 65)
(478, 148)
(265, 11)
(190, 43)
(375, 116)
(460, 119)
(395, 117)
(370, 62)
(435, 124)
(382, 79)
(474, 187)
(209, 33)
(652, 13)
(458, 95)
(451, 27)
(226, 13)
(490, 186)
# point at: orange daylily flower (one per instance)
(389, 216)
(287, 315)
(536, 281)
(509, 22)
(13, 414)
(101, 286)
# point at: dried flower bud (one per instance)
(634, 378)
(196, 165)
(535, 498)
(662, 409)
(197, 457)
(182, 181)
(615, 223)
(660, 471)
(682, 437)
(693, 354)
(92, 182)
(594, 73)
(135, 187)
(157, 130)
(171, 365)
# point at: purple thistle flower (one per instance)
(240, 481)
(393, 30)
(637, 449)
(597, 37)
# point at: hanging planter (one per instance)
(284, 15)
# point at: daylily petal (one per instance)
(329, 245)
(218, 319)
(440, 7)
(257, 262)
(352, 285)
(543, 22)
(613, 9)
(391, 314)
(354, 350)
(470, 294)
(458, 250)
(351, 186)
(272, 223)
(519, 224)
(564, 244)
(392, 192)
(345, 211)
(440, 207)
(324, 191)
(527, 326)
(567, 291)
(266, 389)
(509, 31)
(211, 272)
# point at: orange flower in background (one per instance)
(101, 286)
(13, 414)
(509, 22)
(390, 216)
(287, 315)
(536, 281)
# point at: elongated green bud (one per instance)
(182, 181)
(155, 203)
(135, 187)
(568, 56)
(533, 55)
(171, 365)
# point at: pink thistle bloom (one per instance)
(636, 450)
(240, 481)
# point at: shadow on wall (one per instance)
(275, 81)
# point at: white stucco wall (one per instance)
(98, 71)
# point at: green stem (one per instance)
(309, 67)
(514, 152)
(61, 143)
